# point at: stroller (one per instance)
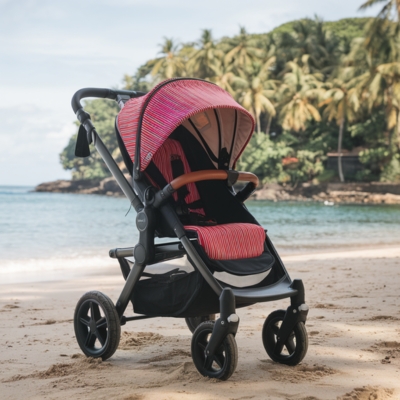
(180, 142)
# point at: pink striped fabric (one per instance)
(162, 159)
(230, 241)
(171, 105)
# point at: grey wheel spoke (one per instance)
(202, 345)
(95, 311)
(291, 347)
(102, 322)
(278, 348)
(85, 320)
(275, 329)
(219, 359)
(208, 363)
(102, 339)
(90, 339)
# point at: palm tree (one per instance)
(384, 90)
(390, 10)
(296, 97)
(206, 56)
(223, 76)
(382, 33)
(255, 89)
(186, 52)
(309, 51)
(170, 64)
(342, 104)
(242, 50)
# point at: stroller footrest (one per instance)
(279, 290)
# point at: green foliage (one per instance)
(391, 171)
(347, 29)
(103, 114)
(375, 160)
(264, 157)
(308, 167)
(312, 87)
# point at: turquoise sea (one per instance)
(50, 225)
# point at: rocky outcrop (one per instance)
(107, 186)
(352, 196)
(329, 193)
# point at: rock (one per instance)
(110, 187)
(107, 186)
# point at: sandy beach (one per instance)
(353, 327)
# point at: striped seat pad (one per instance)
(230, 241)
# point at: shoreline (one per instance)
(354, 340)
(59, 268)
(327, 193)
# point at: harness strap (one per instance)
(178, 169)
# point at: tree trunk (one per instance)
(340, 150)
(258, 124)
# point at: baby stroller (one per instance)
(180, 142)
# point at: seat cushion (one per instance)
(230, 241)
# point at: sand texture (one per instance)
(353, 327)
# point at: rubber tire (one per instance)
(228, 346)
(269, 340)
(111, 329)
(193, 322)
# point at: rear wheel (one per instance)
(97, 325)
(295, 347)
(193, 322)
(223, 364)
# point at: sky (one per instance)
(50, 49)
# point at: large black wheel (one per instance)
(97, 326)
(193, 322)
(295, 347)
(223, 364)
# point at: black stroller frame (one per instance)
(214, 352)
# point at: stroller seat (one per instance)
(227, 241)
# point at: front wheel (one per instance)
(223, 364)
(295, 347)
(97, 325)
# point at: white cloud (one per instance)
(31, 139)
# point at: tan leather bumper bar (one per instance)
(211, 175)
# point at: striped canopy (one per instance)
(207, 111)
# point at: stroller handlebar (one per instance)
(231, 176)
(91, 136)
(100, 93)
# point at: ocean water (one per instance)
(50, 225)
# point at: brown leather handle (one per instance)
(248, 177)
(211, 175)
